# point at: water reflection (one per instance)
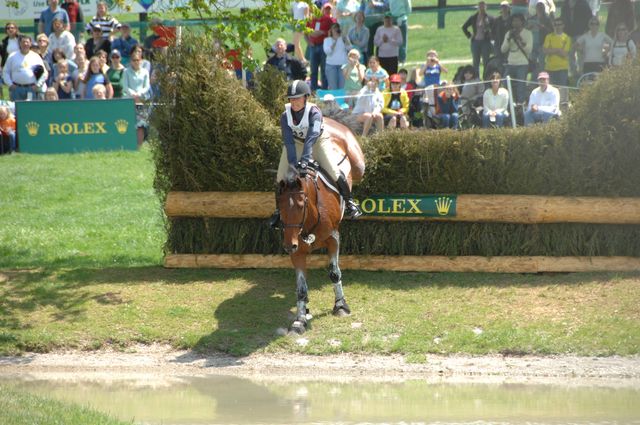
(232, 400)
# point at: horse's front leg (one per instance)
(340, 307)
(299, 261)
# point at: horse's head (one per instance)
(293, 202)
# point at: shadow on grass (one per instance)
(244, 322)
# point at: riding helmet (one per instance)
(298, 88)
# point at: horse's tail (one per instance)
(346, 140)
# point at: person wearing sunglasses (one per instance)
(595, 46)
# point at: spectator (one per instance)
(400, 10)
(104, 62)
(42, 48)
(336, 47)
(8, 128)
(359, 37)
(62, 39)
(396, 104)
(540, 25)
(63, 82)
(556, 47)
(544, 102)
(289, 65)
(136, 84)
(481, 24)
(448, 106)
(138, 50)
(548, 5)
(623, 49)
(94, 76)
(97, 42)
(620, 11)
(51, 94)
(99, 92)
(495, 102)
(353, 73)
(104, 21)
(124, 43)
(471, 90)
(56, 56)
(517, 45)
(501, 26)
(45, 25)
(594, 46)
(115, 74)
(345, 10)
(10, 43)
(81, 72)
(375, 70)
(388, 39)
(76, 17)
(431, 70)
(300, 11)
(368, 109)
(407, 85)
(319, 31)
(575, 15)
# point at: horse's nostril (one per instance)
(294, 248)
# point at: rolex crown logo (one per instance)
(121, 126)
(443, 204)
(32, 128)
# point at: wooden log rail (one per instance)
(524, 209)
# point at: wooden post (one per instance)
(504, 264)
(525, 209)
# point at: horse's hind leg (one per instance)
(340, 307)
(299, 325)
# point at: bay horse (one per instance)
(311, 211)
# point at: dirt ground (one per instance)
(160, 360)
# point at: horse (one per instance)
(311, 211)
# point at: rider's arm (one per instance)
(287, 139)
(315, 129)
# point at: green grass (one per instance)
(80, 267)
(21, 408)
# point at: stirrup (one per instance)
(352, 210)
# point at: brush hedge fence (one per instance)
(214, 135)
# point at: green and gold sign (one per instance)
(409, 205)
(76, 125)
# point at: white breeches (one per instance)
(323, 151)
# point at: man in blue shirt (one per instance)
(45, 26)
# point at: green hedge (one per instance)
(215, 135)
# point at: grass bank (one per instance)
(22, 408)
(80, 267)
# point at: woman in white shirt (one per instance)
(595, 47)
(623, 49)
(495, 102)
(368, 109)
(336, 46)
(300, 11)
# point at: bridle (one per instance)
(309, 237)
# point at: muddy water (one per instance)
(232, 400)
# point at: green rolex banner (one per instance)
(66, 126)
(409, 205)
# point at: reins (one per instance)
(305, 209)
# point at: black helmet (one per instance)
(298, 88)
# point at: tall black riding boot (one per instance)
(274, 220)
(351, 209)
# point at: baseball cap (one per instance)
(115, 52)
(543, 75)
(395, 78)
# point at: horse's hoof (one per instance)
(341, 309)
(299, 327)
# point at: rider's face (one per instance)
(297, 103)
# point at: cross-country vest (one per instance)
(301, 129)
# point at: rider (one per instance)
(302, 135)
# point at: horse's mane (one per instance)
(331, 109)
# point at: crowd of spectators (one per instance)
(60, 65)
(353, 43)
